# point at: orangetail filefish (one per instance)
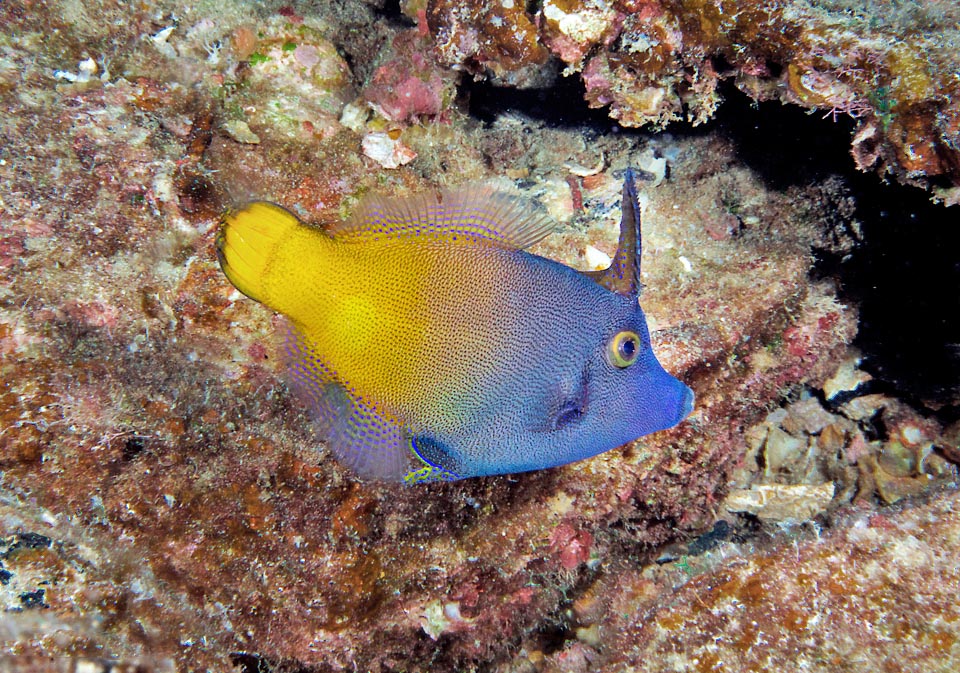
(429, 345)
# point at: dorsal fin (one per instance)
(476, 212)
(623, 274)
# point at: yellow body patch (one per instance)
(364, 304)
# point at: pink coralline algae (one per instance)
(572, 545)
(410, 84)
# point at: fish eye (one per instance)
(623, 349)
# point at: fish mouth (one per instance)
(687, 407)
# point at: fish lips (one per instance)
(662, 402)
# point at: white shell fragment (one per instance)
(354, 117)
(159, 41)
(240, 131)
(781, 502)
(86, 71)
(584, 171)
(386, 151)
(847, 377)
(596, 259)
(653, 165)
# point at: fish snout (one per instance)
(669, 401)
(688, 401)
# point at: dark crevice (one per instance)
(560, 106)
(391, 11)
(247, 662)
(785, 144)
(554, 637)
(904, 276)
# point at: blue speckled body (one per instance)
(550, 396)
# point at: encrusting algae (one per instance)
(429, 345)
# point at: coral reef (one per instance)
(890, 66)
(163, 505)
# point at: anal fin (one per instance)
(363, 439)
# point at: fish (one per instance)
(429, 345)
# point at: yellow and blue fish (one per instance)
(429, 345)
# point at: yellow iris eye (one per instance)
(623, 349)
